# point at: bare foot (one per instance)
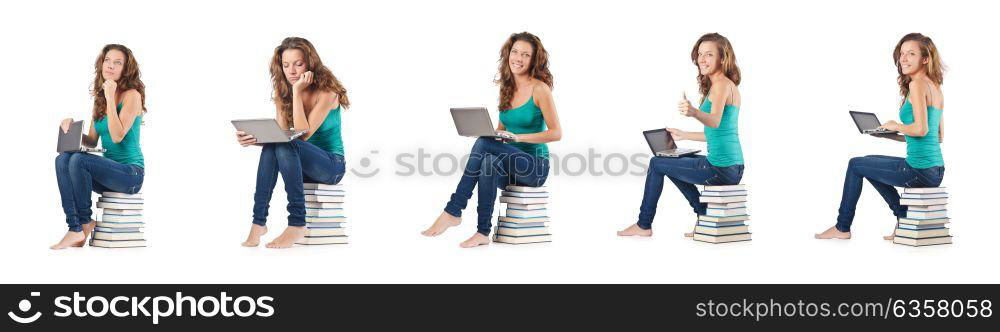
(287, 238)
(689, 234)
(88, 229)
(833, 233)
(635, 230)
(71, 239)
(476, 240)
(443, 222)
(256, 231)
(889, 237)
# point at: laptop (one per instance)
(72, 140)
(474, 122)
(267, 130)
(869, 124)
(662, 144)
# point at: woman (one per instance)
(119, 103)
(718, 78)
(922, 113)
(525, 81)
(306, 97)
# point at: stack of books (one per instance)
(121, 222)
(926, 217)
(325, 220)
(726, 218)
(526, 219)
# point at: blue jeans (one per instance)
(494, 165)
(79, 173)
(685, 173)
(297, 161)
(884, 173)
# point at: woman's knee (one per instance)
(62, 160)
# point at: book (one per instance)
(527, 213)
(920, 227)
(720, 224)
(721, 238)
(930, 190)
(318, 232)
(319, 240)
(320, 186)
(120, 218)
(121, 212)
(324, 199)
(312, 225)
(922, 233)
(923, 201)
(120, 195)
(118, 236)
(526, 195)
(726, 188)
(323, 205)
(724, 193)
(323, 192)
(522, 200)
(111, 224)
(522, 239)
(726, 212)
(117, 230)
(725, 230)
(326, 219)
(924, 196)
(120, 200)
(727, 205)
(313, 212)
(922, 242)
(923, 221)
(526, 206)
(724, 219)
(524, 189)
(722, 199)
(520, 220)
(117, 244)
(927, 214)
(522, 231)
(120, 206)
(926, 207)
(522, 224)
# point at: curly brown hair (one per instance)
(729, 67)
(323, 79)
(935, 69)
(130, 79)
(539, 68)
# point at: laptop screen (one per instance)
(659, 140)
(865, 121)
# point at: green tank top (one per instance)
(327, 136)
(128, 151)
(923, 152)
(526, 119)
(723, 142)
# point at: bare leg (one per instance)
(443, 222)
(256, 231)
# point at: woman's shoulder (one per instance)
(540, 89)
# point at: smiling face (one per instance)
(519, 59)
(911, 59)
(114, 64)
(293, 63)
(709, 59)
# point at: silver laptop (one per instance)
(72, 140)
(267, 130)
(662, 144)
(868, 123)
(474, 122)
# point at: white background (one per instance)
(619, 68)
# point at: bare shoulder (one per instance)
(132, 94)
(541, 90)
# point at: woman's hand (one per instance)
(679, 135)
(507, 135)
(244, 139)
(891, 125)
(684, 106)
(303, 81)
(110, 87)
(65, 124)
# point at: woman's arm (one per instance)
(325, 101)
(918, 98)
(119, 124)
(718, 96)
(543, 96)
(91, 138)
(680, 135)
